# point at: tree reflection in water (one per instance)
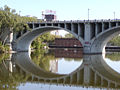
(49, 60)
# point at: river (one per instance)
(59, 69)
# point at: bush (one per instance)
(4, 48)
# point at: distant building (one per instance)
(67, 42)
(49, 15)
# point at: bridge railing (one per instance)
(75, 21)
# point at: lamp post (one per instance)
(88, 13)
(114, 15)
(19, 12)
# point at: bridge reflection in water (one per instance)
(93, 72)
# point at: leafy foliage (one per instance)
(68, 35)
(42, 59)
(115, 41)
(10, 21)
(113, 56)
(43, 40)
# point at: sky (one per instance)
(67, 9)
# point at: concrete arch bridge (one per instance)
(92, 34)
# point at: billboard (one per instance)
(49, 17)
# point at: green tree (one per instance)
(113, 56)
(68, 35)
(10, 21)
(42, 59)
(43, 40)
(115, 41)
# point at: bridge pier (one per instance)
(87, 45)
(91, 46)
(89, 50)
(93, 50)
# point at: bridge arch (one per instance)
(100, 41)
(23, 43)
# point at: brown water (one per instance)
(53, 70)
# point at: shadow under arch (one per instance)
(23, 43)
(100, 41)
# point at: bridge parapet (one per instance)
(79, 21)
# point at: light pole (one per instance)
(88, 13)
(19, 12)
(114, 15)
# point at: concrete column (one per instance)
(71, 79)
(96, 29)
(86, 75)
(102, 81)
(52, 24)
(102, 26)
(72, 27)
(50, 81)
(45, 24)
(57, 81)
(39, 25)
(32, 77)
(58, 24)
(78, 77)
(65, 25)
(87, 32)
(95, 79)
(87, 43)
(116, 24)
(64, 81)
(79, 29)
(109, 24)
(33, 25)
(108, 84)
(45, 81)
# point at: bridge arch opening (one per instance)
(99, 43)
(23, 43)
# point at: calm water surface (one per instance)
(59, 70)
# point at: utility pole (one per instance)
(88, 13)
(114, 15)
(19, 12)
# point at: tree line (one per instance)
(11, 21)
